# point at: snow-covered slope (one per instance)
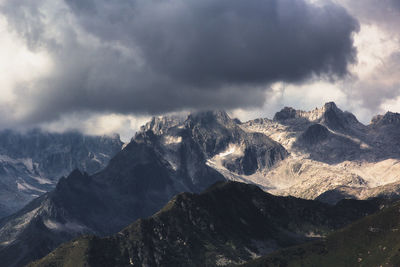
(31, 163)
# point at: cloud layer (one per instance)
(153, 56)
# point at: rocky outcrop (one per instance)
(315, 134)
(389, 118)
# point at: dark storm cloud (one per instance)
(152, 56)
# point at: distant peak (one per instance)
(76, 176)
(158, 125)
(291, 113)
(285, 113)
(221, 114)
(388, 118)
(209, 116)
(329, 115)
(330, 105)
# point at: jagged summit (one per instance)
(286, 113)
(313, 115)
(160, 124)
(212, 119)
(330, 105)
(329, 115)
(388, 118)
(75, 176)
(209, 116)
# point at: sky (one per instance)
(102, 66)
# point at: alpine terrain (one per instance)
(229, 223)
(31, 163)
(166, 157)
(332, 155)
(324, 155)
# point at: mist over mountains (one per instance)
(31, 163)
(323, 155)
(236, 168)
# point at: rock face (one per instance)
(329, 115)
(389, 118)
(315, 134)
(166, 157)
(332, 155)
(229, 223)
(31, 163)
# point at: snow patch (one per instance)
(171, 140)
(42, 180)
(23, 186)
(7, 159)
(232, 150)
(52, 224)
(67, 227)
(28, 164)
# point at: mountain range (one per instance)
(324, 155)
(332, 154)
(229, 223)
(32, 162)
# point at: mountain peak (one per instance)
(329, 115)
(285, 113)
(210, 116)
(313, 115)
(330, 106)
(388, 118)
(158, 125)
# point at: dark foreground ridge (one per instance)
(371, 241)
(229, 223)
(168, 156)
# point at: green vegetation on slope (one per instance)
(371, 241)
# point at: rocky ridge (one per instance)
(370, 241)
(165, 158)
(331, 153)
(229, 223)
(325, 154)
(31, 163)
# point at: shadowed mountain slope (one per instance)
(166, 157)
(371, 241)
(31, 163)
(228, 223)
